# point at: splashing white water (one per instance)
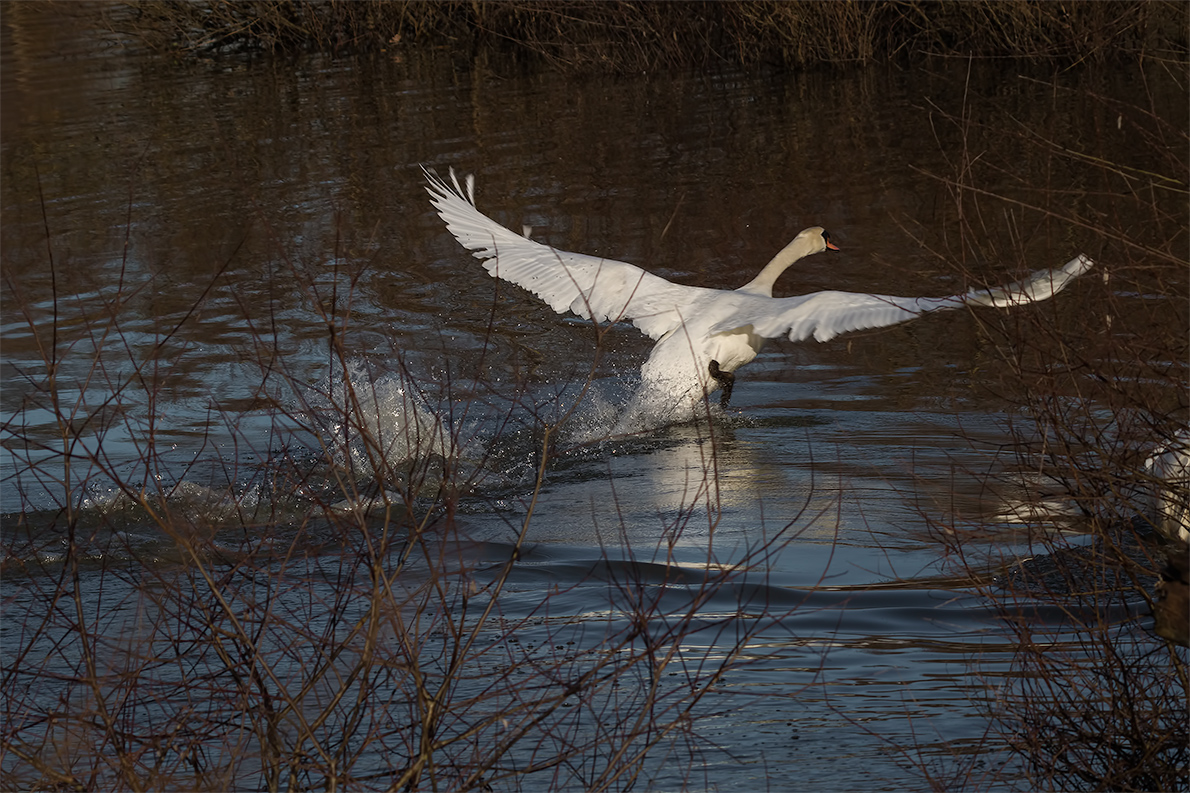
(373, 424)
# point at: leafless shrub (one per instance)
(1094, 700)
(317, 618)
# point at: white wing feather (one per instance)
(591, 287)
(825, 315)
(609, 290)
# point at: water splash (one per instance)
(373, 424)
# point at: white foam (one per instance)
(380, 423)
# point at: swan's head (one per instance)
(808, 242)
(815, 239)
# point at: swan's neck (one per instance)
(762, 284)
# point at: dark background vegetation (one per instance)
(626, 36)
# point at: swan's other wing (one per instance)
(825, 315)
(593, 288)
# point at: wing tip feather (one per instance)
(441, 191)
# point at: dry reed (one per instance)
(631, 36)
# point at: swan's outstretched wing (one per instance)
(593, 288)
(825, 315)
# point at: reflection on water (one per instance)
(229, 238)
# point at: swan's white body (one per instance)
(694, 325)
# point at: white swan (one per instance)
(703, 335)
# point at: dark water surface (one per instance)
(211, 216)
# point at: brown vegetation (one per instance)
(318, 620)
(629, 36)
(1096, 701)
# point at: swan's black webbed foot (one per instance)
(726, 381)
